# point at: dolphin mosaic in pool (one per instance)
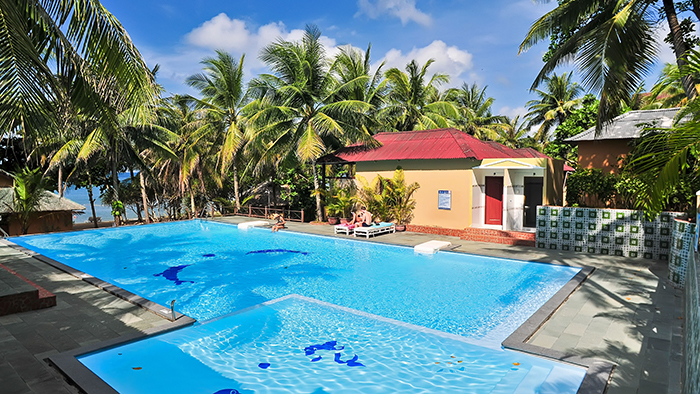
(330, 345)
(171, 274)
(228, 391)
(277, 251)
(350, 363)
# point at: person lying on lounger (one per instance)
(280, 222)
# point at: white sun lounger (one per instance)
(343, 228)
(382, 228)
(255, 223)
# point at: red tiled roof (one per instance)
(432, 144)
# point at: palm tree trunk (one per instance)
(192, 207)
(144, 198)
(115, 184)
(317, 188)
(138, 208)
(92, 200)
(60, 181)
(236, 192)
(679, 47)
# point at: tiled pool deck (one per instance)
(625, 313)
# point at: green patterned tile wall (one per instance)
(681, 249)
(691, 353)
(618, 232)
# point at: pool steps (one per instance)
(431, 247)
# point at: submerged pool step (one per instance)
(556, 378)
(533, 380)
(510, 381)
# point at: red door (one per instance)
(494, 200)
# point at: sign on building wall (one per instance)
(444, 199)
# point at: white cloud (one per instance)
(232, 35)
(403, 9)
(449, 60)
(512, 112)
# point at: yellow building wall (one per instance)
(432, 175)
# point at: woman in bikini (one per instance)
(280, 222)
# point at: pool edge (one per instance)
(598, 373)
(79, 375)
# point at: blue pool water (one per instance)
(370, 318)
(212, 269)
(297, 345)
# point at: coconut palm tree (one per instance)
(44, 41)
(512, 133)
(475, 110)
(223, 99)
(613, 44)
(297, 111)
(353, 74)
(668, 91)
(555, 103)
(409, 105)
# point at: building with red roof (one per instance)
(465, 182)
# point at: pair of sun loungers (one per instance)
(374, 229)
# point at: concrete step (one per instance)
(19, 294)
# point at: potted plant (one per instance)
(333, 211)
(401, 196)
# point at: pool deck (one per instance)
(626, 313)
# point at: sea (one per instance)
(102, 211)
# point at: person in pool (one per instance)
(365, 218)
(280, 222)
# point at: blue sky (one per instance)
(473, 41)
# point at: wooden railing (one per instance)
(267, 212)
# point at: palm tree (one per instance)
(475, 109)
(612, 42)
(555, 104)
(512, 133)
(355, 81)
(409, 105)
(223, 99)
(44, 41)
(663, 156)
(668, 91)
(297, 111)
(29, 188)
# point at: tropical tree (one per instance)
(354, 77)
(475, 111)
(408, 102)
(612, 42)
(666, 158)
(44, 41)
(29, 191)
(297, 110)
(512, 132)
(668, 91)
(555, 103)
(223, 99)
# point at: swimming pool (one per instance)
(298, 345)
(212, 269)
